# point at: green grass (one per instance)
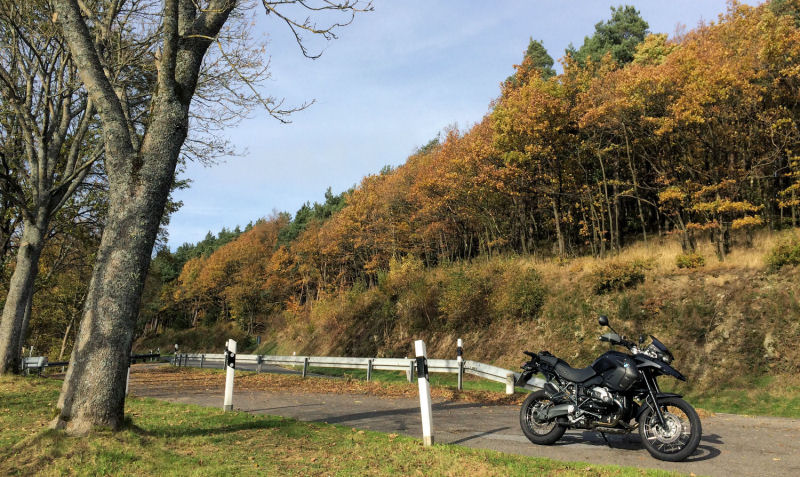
(170, 439)
(762, 396)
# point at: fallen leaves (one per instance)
(168, 378)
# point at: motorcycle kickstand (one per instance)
(606, 439)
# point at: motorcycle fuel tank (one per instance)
(618, 370)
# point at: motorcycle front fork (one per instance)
(652, 388)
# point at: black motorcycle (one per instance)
(617, 394)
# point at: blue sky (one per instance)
(394, 79)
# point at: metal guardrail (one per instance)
(452, 366)
(39, 363)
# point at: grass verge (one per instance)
(169, 439)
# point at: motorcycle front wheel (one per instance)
(679, 438)
(538, 430)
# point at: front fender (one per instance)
(647, 404)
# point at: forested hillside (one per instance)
(646, 180)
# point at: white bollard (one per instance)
(230, 365)
(128, 379)
(460, 359)
(424, 394)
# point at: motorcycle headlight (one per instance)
(666, 357)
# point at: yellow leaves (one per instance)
(725, 206)
(653, 50)
(671, 194)
(746, 222)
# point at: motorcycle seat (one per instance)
(573, 374)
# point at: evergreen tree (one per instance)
(619, 36)
(536, 60)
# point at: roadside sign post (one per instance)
(424, 393)
(230, 366)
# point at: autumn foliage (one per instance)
(696, 136)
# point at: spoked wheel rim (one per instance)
(674, 436)
(536, 425)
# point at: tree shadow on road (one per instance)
(478, 436)
(395, 412)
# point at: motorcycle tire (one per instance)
(538, 432)
(681, 438)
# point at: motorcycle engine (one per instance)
(602, 408)
(601, 394)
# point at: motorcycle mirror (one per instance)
(641, 339)
(603, 320)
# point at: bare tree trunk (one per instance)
(94, 387)
(615, 189)
(20, 289)
(612, 238)
(26, 319)
(559, 235)
(140, 174)
(65, 338)
(635, 184)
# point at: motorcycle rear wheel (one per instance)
(681, 436)
(539, 431)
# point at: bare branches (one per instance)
(348, 8)
(94, 76)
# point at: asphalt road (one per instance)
(731, 445)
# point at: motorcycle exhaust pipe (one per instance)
(560, 410)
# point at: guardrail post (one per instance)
(230, 366)
(305, 366)
(202, 360)
(460, 359)
(369, 370)
(510, 383)
(424, 393)
(259, 360)
(410, 371)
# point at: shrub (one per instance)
(414, 291)
(690, 260)
(786, 252)
(465, 297)
(614, 276)
(521, 295)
